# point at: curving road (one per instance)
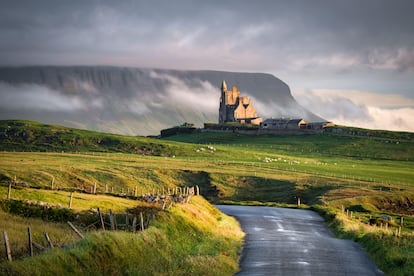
(283, 241)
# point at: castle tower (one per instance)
(223, 86)
(236, 108)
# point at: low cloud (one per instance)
(202, 97)
(359, 108)
(33, 97)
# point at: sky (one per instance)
(349, 61)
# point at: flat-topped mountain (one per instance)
(134, 101)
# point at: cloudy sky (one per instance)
(349, 61)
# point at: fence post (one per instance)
(106, 188)
(30, 244)
(70, 200)
(101, 218)
(7, 245)
(141, 218)
(298, 201)
(402, 221)
(75, 229)
(49, 242)
(52, 183)
(94, 188)
(135, 191)
(134, 224)
(111, 219)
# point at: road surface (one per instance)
(282, 241)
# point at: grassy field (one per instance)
(370, 175)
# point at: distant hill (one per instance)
(133, 101)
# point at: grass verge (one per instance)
(393, 254)
(189, 239)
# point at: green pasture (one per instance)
(370, 175)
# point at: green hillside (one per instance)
(18, 135)
(368, 173)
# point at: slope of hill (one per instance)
(369, 175)
(19, 135)
(133, 100)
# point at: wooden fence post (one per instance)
(94, 188)
(7, 245)
(9, 191)
(30, 244)
(106, 188)
(75, 230)
(402, 221)
(49, 242)
(101, 219)
(134, 224)
(111, 219)
(141, 218)
(298, 201)
(52, 183)
(70, 200)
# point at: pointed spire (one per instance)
(224, 86)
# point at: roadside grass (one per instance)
(191, 239)
(393, 254)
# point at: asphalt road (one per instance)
(283, 241)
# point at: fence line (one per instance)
(139, 221)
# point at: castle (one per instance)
(236, 108)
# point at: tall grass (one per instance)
(191, 239)
(393, 254)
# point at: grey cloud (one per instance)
(332, 107)
(277, 32)
(40, 98)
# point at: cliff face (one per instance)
(133, 101)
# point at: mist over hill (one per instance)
(133, 101)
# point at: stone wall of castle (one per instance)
(236, 108)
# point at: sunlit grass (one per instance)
(190, 239)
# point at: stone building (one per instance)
(236, 108)
(283, 123)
